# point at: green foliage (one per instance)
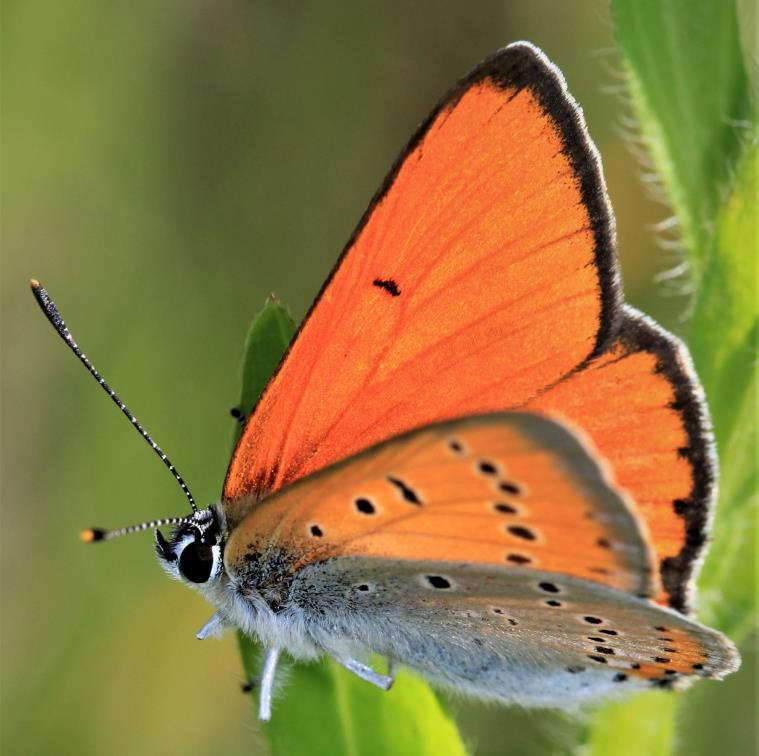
(687, 77)
(325, 709)
(724, 342)
(688, 80)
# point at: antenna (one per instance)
(96, 534)
(90, 535)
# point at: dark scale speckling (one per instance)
(269, 573)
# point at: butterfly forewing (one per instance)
(482, 273)
(511, 489)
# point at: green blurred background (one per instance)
(165, 166)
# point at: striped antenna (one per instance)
(54, 316)
(90, 535)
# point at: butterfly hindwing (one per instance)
(521, 636)
(642, 406)
(482, 272)
(511, 489)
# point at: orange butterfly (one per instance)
(474, 459)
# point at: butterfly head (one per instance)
(194, 552)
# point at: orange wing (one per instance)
(511, 489)
(642, 406)
(483, 278)
(482, 272)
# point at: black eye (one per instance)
(196, 562)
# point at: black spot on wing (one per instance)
(364, 506)
(510, 487)
(520, 531)
(456, 446)
(408, 493)
(518, 558)
(599, 659)
(487, 468)
(439, 582)
(548, 587)
(390, 286)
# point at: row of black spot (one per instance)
(365, 506)
(507, 486)
(487, 467)
(441, 582)
(602, 651)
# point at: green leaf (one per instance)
(644, 725)
(724, 343)
(687, 78)
(324, 709)
(268, 338)
(688, 82)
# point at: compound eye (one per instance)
(196, 562)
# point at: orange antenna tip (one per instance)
(92, 534)
(34, 283)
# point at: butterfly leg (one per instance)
(213, 628)
(392, 669)
(267, 684)
(367, 673)
(238, 415)
(251, 685)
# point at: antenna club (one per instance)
(90, 535)
(35, 284)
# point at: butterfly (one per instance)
(474, 459)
